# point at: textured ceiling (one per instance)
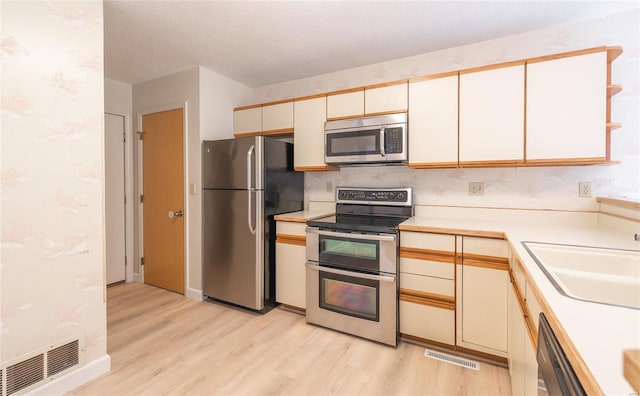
(259, 43)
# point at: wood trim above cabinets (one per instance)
(255, 106)
(433, 76)
(309, 97)
(386, 84)
(566, 54)
(491, 67)
(345, 91)
(298, 240)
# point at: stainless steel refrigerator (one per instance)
(246, 182)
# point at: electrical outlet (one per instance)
(476, 188)
(329, 186)
(584, 189)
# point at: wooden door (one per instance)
(163, 199)
(114, 204)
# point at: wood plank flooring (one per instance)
(162, 343)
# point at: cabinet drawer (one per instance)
(427, 284)
(427, 268)
(429, 241)
(426, 322)
(485, 246)
(291, 228)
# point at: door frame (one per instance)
(128, 192)
(185, 186)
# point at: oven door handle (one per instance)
(315, 267)
(366, 237)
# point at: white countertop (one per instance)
(599, 332)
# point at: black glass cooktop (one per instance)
(364, 223)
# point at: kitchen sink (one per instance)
(601, 275)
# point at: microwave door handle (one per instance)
(382, 152)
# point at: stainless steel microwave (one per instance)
(367, 140)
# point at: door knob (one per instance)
(171, 214)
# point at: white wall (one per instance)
(118, 99)
(548, 188)
(218, 97)
(52, 178)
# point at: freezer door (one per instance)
(232, 163)
(233, 248)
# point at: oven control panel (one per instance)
(396, 196)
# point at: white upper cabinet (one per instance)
(567, 107)
(277, 117)
(433, 122)
(345, 105)
(247, 121)
(308, 137)
(492, 116)
(386, 99)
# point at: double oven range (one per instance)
(352, 263)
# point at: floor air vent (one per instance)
(458, 361)
(29, 371)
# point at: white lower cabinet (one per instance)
(290, 264)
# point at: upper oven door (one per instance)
(367, 252)
(371, 144)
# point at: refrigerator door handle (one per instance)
(252, 229)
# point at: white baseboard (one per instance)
(74, 379)
(194, 294)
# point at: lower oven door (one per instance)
(361, 304)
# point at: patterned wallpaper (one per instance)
(541, 188)
(52, 176)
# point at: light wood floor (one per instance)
(162, 343)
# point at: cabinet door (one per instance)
(277, 118)
(247, 121)
(566, 107)
(385, 100)
(291, 255)
(345, 105)
(433, 123)
(308, 137)
(492, 116)
(483, 309)
(482, 283)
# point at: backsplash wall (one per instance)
(543, 188)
